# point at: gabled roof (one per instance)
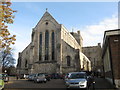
(44, 17)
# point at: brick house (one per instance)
(111, 56)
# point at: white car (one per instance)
(40, 78)
(76, 80)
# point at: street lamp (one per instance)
(5, 71)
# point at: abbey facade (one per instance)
(53, 49)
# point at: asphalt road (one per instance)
(25, 84)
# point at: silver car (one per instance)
(40, 78)
(31, 77)
(76, 80)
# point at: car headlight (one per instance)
(67, 82)
(82, 82)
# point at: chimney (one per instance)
(99, 44)
(78, 32)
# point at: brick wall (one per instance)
(115, 54)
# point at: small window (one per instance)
(68, 61)
(46, 23)
(26, 63)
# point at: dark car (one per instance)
(5, 77)
(47, 76)
(55, 76)
(21, 76)
(62, 76)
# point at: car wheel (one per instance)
(34, 81)
(44, 81)
(87, 87)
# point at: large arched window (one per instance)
(40, 46)
(46, 45)
(53, 46)
(68, 61)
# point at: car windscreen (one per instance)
(4, 75)
(40, 74)
(77, 76)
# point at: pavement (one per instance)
(102, 84)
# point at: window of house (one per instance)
(46, 23)
(68, 61)
(26, 63)
(33, 35)
(40, 46)
(53, 46)
(46, 45)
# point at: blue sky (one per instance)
(91, 18)
(69, 14)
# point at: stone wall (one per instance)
(67, 50)
(25, 59)
(45, 68)
(94, 54)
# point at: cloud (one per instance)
(93, 34)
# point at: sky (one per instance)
(91, 18)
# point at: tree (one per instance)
(7, 60)
(6, 17)
(6, 39)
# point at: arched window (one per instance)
(40, 46)
(26, 63)
(68, 61)
(46, 45)
(53, 46)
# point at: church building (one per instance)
(53, 49)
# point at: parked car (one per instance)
(66, 76)
(40, 77)
(77, 80)
(5, 77)
(31, 77)
(1, 82)
(55, 76)
(21, 76)
(47, 76)
(26, 76)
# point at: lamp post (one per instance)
(5, 71)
